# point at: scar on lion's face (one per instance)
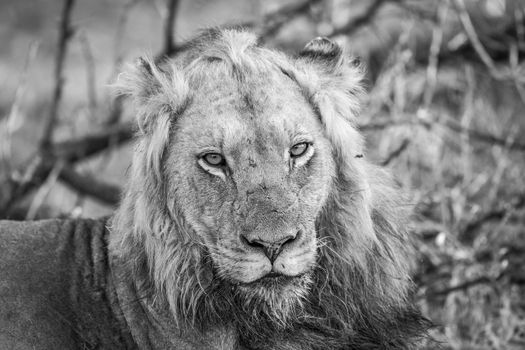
(257, 206)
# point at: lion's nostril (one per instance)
(271, 248)
(254, 243)
(290, 238)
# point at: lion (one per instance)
(250, 220)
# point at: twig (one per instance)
(396, 152)
(65, 33)
(13, 120)
(435, 48)
(484, 137)
(468, 26)
(464, 285)
(169, 24)
(466, 22)
(87, 185)
(44, 191)
(90, 74)
(79, 149)
(33, 174)
(491, 215)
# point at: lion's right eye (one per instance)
(299, 149)
(214, 159)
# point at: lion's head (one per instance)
(250, 202)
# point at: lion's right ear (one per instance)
(156, 92)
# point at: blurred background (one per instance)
(445, 112)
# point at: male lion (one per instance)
(250, 219)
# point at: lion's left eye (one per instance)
(214, 159)
(299, 149)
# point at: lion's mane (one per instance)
(360, 296)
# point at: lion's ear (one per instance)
(323, 52)
(156, 92)
(335, 87)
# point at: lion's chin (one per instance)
(280, 295)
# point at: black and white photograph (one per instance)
(262, 174)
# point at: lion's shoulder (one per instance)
(53, 285)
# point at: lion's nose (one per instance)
(271, 248)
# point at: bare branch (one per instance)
(79, 149)
(496, 214)
(16, 187)
(473, 37)
(483, 136)
(90, 73)
(44, 191)
(508, 73)
(464, 285)
(396, 152)
(435, 48)
(169, 24)
(37, 171)
(65, 33)
(13, 120)
(88, 185)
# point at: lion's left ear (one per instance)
(335, 86)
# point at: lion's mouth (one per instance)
(273, 274)
(274, 279)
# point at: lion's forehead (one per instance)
(264, 111)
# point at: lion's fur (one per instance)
(359, 296)
(55, 287)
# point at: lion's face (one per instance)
(250, 168)
(243, 154)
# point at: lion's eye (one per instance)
(214, 159)
(299, 149)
